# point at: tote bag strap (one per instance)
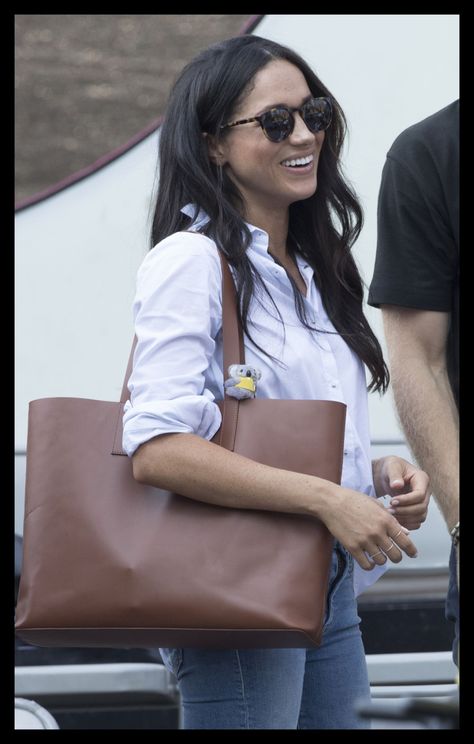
(234, 353)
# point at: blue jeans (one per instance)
(281, 688)
(452, 602)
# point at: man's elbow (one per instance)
(416, 337)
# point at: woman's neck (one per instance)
(276, 225)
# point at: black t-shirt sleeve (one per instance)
(416, 259)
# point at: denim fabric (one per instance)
(281, 688)
(452, 602)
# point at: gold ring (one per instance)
(377, 553)
(395, 537)
(385, 550)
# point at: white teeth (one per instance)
(298, 161)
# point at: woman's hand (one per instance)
(366, 528)
(407, 486)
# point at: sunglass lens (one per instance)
(317, 114)
(277, 124)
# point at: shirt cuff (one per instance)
(193, 414)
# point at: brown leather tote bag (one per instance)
(112, 562)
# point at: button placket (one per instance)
(351, 441)
(328, 360)
(330, 371)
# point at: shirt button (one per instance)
(333, 384)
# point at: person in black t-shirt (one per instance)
(416, 283)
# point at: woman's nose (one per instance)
(300, 132)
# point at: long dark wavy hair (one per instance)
(322, 228)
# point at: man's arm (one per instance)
(416, 341)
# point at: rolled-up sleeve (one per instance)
(177, 314)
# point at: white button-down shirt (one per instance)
(178, 364)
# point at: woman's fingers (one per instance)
(402, 540)
(393, 552)
(390, 548)
(363, 560)
(368, 531)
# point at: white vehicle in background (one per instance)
(78, 248)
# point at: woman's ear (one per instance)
(215, 149)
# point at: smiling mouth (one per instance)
(298, 163)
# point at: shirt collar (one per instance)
(259, 236)
(259, 242)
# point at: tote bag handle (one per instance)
(234, 353)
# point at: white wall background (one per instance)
(76, 258)
(78, 251)
(387, 72)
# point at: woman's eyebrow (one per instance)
(270, 106)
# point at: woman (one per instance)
(249, 164)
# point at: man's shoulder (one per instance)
(443, 125)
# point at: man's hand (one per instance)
(407, 486)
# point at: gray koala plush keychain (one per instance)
(242, 382)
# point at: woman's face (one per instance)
(259, 167)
